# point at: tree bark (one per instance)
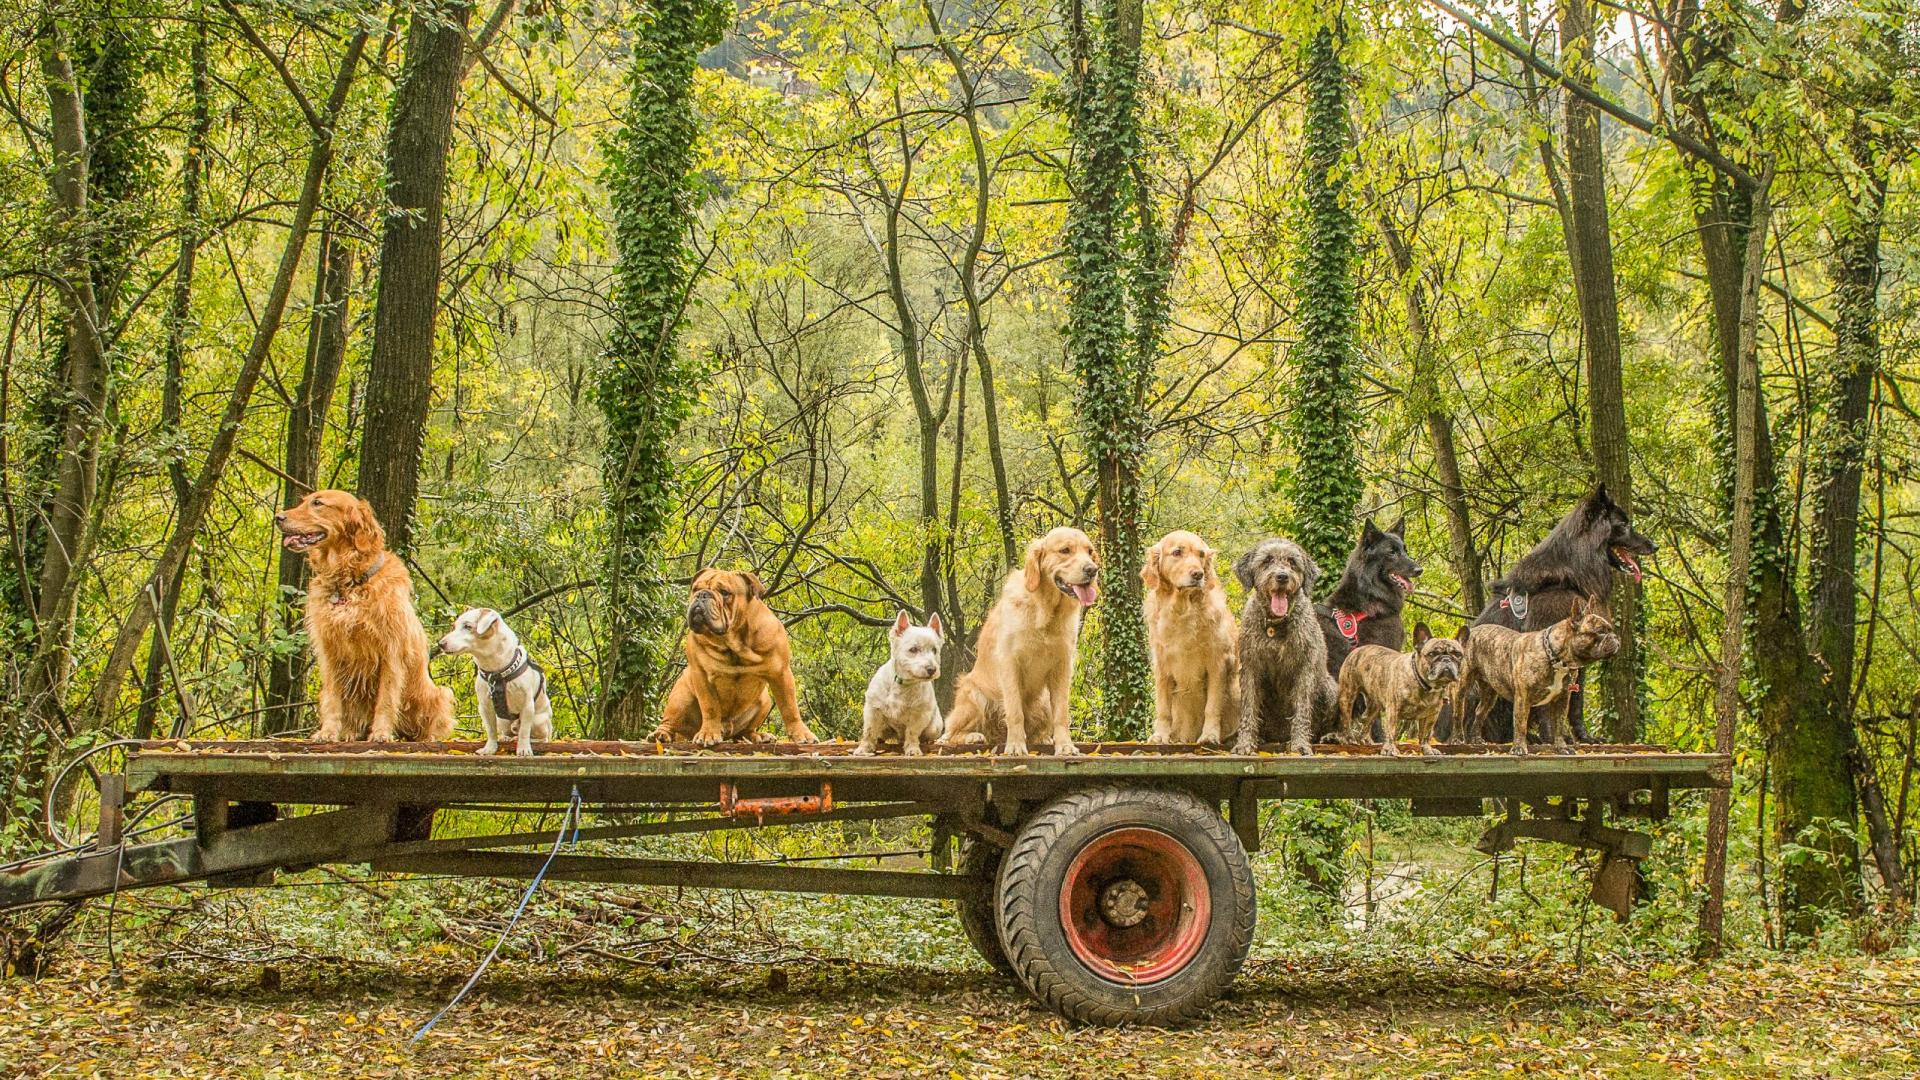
(407, 301)
(1590, 248)
(300, 461)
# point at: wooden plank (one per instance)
(769, 877)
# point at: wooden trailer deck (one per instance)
(1110, 883)
(645, 772)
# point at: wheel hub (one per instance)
(1135, 906)
(1123, 903)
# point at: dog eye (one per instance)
(1179, 551)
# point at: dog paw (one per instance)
(1300, 747)
(1211, 737)
(488, 750)
(1389, 749)
(704, 737)
(863, 750)
(1065, 748)
(1015, 749)
(911, 748)
(1519, 750)
(523, 751)
(1159, 738)
(1246, 747)
(971, 738)
(1563, 748)
(380, 736)
(803, 735)
(1430, 750)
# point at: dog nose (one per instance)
(1195, 578)
(280, 519)
(1417, 570)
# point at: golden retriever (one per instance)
(1191, 633)
(374, 684)
(1017, 690)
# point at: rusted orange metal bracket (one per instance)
(732, 805)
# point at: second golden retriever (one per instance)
(1017, 690)
(1191, 633)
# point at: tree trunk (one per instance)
(400, 367)
(1590, 248)
(645, 385)
(305, 430)
(179, 317)
(1325, 485)
(1841, 438)
(1116, 277)
(1746, 409)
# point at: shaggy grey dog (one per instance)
(1284, 685)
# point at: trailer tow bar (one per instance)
(732, 805)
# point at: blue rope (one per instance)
(560, 837)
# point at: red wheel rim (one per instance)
(1135, 906)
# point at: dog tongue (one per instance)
(1279, 604)
(1086, 594)
(1633, 565)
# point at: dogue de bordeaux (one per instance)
(739, 665)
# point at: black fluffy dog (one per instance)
(1577, 559)
(1365, 604)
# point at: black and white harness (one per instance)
(497, 683)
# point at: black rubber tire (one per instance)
(1033, 875)
(980, 864)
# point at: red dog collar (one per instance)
(1349, 624)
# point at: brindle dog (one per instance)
(1579, 558)
(1535, 670)
(1380, 684)
(1365, 604)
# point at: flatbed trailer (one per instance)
(1114, 885)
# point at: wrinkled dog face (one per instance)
(471, 628)
(1592, 638)
(718, 598)
(916, 649)
(1280, 572)
(1065, 560)
(1439, 659)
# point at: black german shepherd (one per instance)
(1364, 606)
(1577, 559)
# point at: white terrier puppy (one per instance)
(900, 701)
(511, 688)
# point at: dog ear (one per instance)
(1030, 566)
(363, 528)
(1369, 532)
(1243, 568)
(1399, 528)
(1466, 630)
(901, 623)
(1213, 572)
(934, 624)
(1313, 573)
(1150, 569)
(1598, 501)
(1421, 635)
(750, 582)
(487, 623)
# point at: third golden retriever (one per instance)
(1190, 631)
(1017, 690)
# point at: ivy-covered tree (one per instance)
(645, 386)
(1324, 482)
(1117, 280)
